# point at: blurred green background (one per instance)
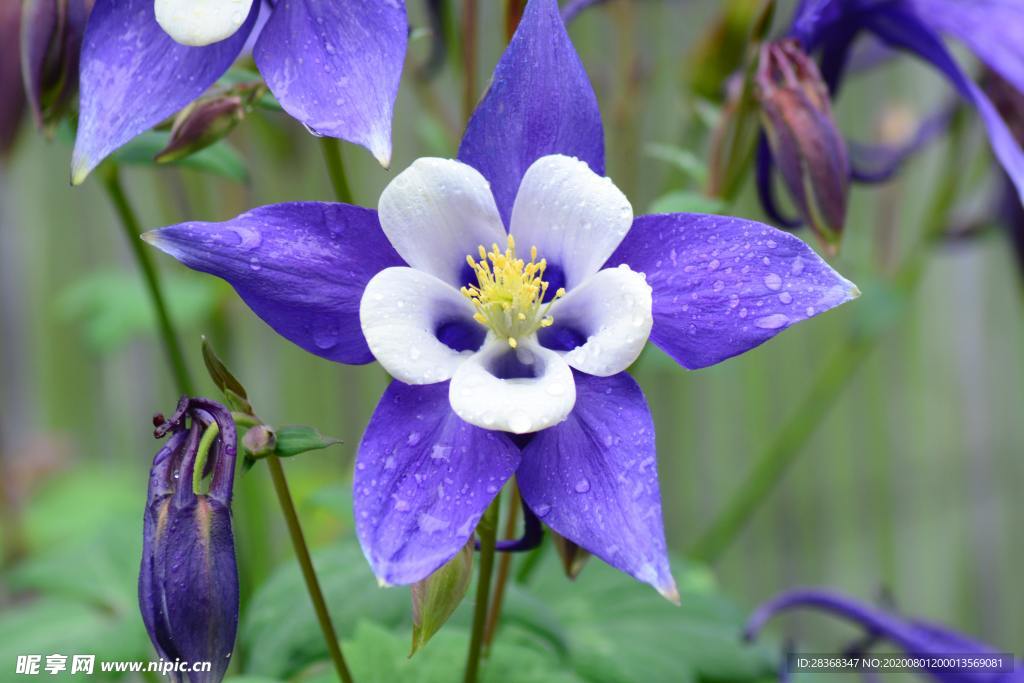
(910, 484)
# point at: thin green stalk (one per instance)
(130, 223)
(470, 23)
(504, 566)
(487, 532)
(291, 517)
(202, 453)
(331, 148)
(788, 444)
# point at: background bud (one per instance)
(260, 440)
(12, 96)
(435, 598)
(51, 40)
(803, 138)
(201, 124)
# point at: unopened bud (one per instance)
(573, 557)
(804, 140)
(51, 40)
(188, 579)
(436, 597)
(203, 123)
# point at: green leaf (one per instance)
(219, 159)
(436, 597)
(233, 391)
(681, 201)
(113, 307)
(296, 439)
(376, 655)
(279, 629)
(686, 161)
(621, 631)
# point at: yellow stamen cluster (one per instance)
(509, 294)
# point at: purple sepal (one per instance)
(335, 66)
(902, 28)
(992, 29)
(423, 479)
(724, 285)
(301, 267)
(540, 102)
(594, 479)
(133, 75)
(916, 638)
(188, 579)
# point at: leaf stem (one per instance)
(130, 223)
(487, 532)
(504, 566)
(469, 56)
(291, 517)
(331, 148)
(788, 443)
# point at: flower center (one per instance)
(509, 293)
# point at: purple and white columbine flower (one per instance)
(334, 66)
(991, 29)
(508, 348)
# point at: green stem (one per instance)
(487, 531)
(469, 57)
(202, 453)
(331, 148)
(291, 517)
(788, 444)
(130, 223)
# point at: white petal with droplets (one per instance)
(437, 212)
(201, 22)
(400, 312)
(613, 308)
(573, 216)
(520, 405)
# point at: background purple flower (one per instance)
(333, 66)
(991, 29)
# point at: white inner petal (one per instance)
(613, 307)
(400, 311)
(573, 216)
(437, 212)
(520, 404)
(201, 22)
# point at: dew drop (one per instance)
(773, 282)
(772, 322)
(583, 485)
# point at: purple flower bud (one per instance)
(202, 124)
(188, 580)
(803, 137)
(12, 96)
(51, 40)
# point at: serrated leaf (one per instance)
(435, 598)
(219, 159)
(295, 439)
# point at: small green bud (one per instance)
(260, 440)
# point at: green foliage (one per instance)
(621, 631)
(682, 201)
(436, 597)
(113, 308)
(233, 391)
(296, 439)
(219, 159)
